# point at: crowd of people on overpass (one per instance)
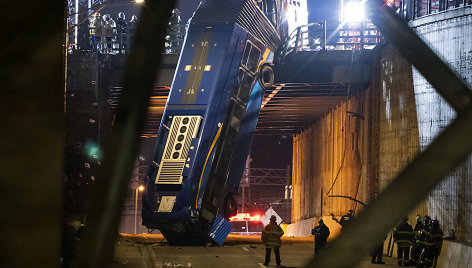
(109, 36)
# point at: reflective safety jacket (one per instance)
(419, 235)
(271, 235)
(403, 235)
(96, 27)
(434, 238)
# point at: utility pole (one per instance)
(245, 182)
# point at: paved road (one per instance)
(151, 251)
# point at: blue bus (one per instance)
(209, 120)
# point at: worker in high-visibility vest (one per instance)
(96, 29)
(403, 235)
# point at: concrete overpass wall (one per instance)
(402, 115)
(332, 145)
(367, 146)
(450, 34)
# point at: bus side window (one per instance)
(251, 57)
(243, 87)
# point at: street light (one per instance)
(138, 189)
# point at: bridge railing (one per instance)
(116, 41)
(413, 9)
(315, 37)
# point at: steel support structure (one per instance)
(428, 168)
(269, 176)
(100, 234)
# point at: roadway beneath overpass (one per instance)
(152, 251)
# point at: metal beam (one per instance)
(97, 245)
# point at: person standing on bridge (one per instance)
(321, 233)
(271, 238)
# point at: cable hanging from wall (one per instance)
(345, 124)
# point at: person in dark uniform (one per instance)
(433, 244)
(271, 238)
(403, 235)
(418, 242)
(345, 220)
(121, 33)
(377, 252)
(133, 23)
(321, 233)
(420, 239)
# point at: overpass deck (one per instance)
(308, 85)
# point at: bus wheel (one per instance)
(266, 76)
(229, 206)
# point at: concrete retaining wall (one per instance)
(450, 35)
(303, 228)
(455, 254)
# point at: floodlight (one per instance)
(354, 12)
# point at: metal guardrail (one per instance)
(313, 37)
(365, 35)
(269, 176)
(120, 41)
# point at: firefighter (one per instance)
(403, 235)
(418, 242)
(427, 222)
(433, 243)
(419, 223)
(271, 238)
(321, 233)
